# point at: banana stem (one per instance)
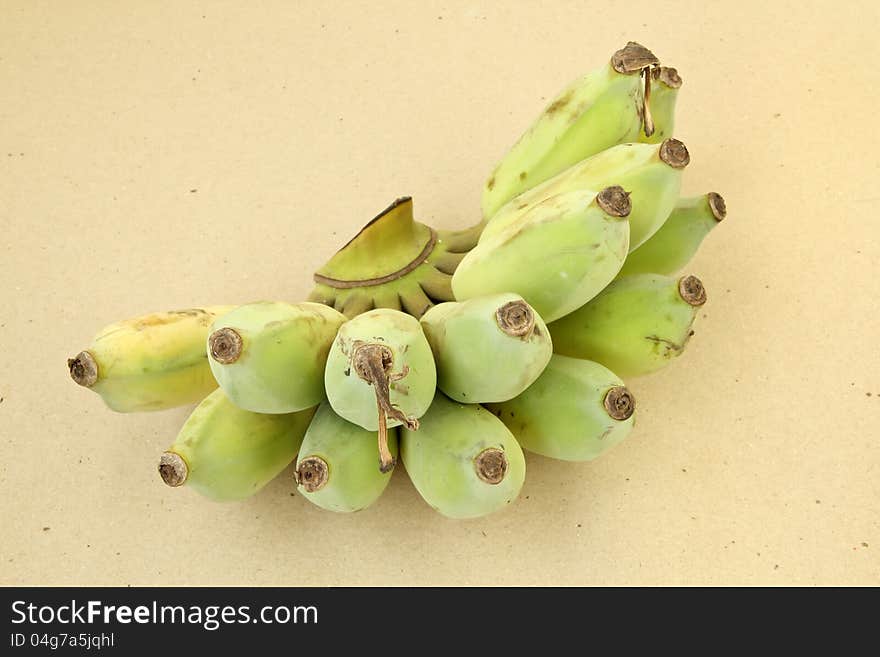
(373, 363)
(647, 119)
(386, 461)
(387, 278)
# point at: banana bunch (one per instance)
(450, 350)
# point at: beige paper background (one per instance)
(164, 155)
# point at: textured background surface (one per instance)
(156, 156)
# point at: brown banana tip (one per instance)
(312, 473)
(83, 369)
(491, 465)
(614, 201)
(692, 291)
(674, 153)
(620, 403)
(717, 205)
(516, 319)
(385, 468)
(632, 58)
(668, 76)
(225, 345)
(173, 469)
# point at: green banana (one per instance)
(336, 467)
(150, 363)
(393, 262)
(380, 373)
(463, 461)
(601, 109)
(227, 453)
(650, 173)
(269, 356)
(672, 247)
(665, 83)
(576, 410)
(637, 325)
(558, 256)
(487, 348)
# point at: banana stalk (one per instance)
(664, 86)
(393, 262)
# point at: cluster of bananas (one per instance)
(451, 349)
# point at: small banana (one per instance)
(227, 453)
(463, 461)
(575, 411)
(488, 348)
(393, 262)
(380, 373)
(336, 467)
(269, 356)
(150, 363)
(603, 108)
(672, 247)
(636, 326)
(559, 255)
(665, 83)
(650, 174)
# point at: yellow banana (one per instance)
(150, 363)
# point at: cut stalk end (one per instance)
(312, 474)
(675, 154)
(632, 58)
(692, 291)
(173, 469)
(614, 201)
(491, 465)
(619, 403)
(717, 206)
(83, 369)
(225, 345)
(516, 319)
(667, 75)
